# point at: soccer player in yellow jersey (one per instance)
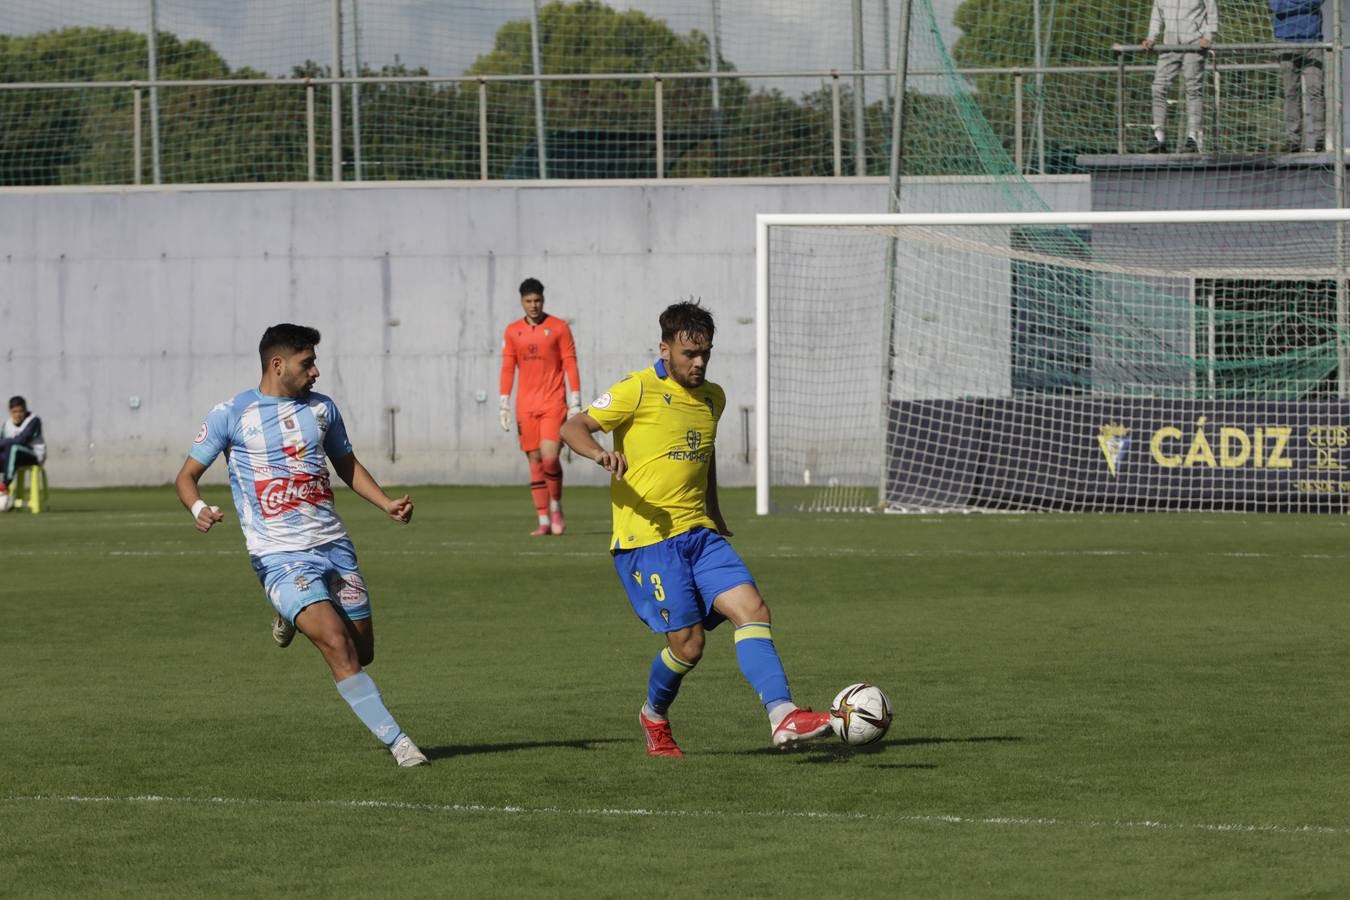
(669, 545)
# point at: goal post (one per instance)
(1105, 361)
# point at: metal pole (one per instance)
(1336, 126)
(538, 91)
(482, 131)
(152, 49)
(837, 137)
(715, 63)
(761, 367)
(136, 136)
(898, 111)
(335, 90)
(1207, 143)
(356, 95)
(859, 104)
(1211, 336)
(893, 248)
(886, 50)
(1120, 102)
(310, 137)
(1040, 86)
(1018, 86)
(660, 131)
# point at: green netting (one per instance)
(778, 115)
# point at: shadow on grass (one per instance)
(450, 750)
(978, 739)
(830, 752)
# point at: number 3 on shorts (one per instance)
(658, 591)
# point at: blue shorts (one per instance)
(298, 578)
(673, 584)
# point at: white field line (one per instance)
(784, 552)
(639, 813)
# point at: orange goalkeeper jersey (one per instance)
(542, 353)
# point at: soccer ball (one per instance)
(6, 501)
(860, 714)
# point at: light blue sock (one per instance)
(364, 698)
(664, 681)
(760, 664)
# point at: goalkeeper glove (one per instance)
(506, 412)
(573, 403)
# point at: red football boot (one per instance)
(660, 742)
(800, 725)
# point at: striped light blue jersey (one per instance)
(277, 450)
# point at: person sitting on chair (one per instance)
(21, 444)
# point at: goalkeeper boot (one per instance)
(283, 632)
(660, 742)
(800, 725)
(406, 753)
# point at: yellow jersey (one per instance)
(667, 433)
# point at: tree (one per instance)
(590, 37)
(86, 136)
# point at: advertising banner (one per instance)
(1121, 454)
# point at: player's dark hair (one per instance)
(16, 400)
(531, 286)
(687, 318)
(287, 337)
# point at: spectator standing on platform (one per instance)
(1300, 22)
(1181, 22)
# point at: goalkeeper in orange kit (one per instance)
(540, 346)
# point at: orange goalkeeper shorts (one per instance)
(536, 426)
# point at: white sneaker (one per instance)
(283, 632)
(407, 754)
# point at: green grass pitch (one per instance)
(1086, 706)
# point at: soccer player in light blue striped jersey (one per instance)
(278, 442)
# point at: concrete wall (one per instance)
(125, 314)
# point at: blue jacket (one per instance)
(1297, 20)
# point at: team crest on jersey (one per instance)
(547, 332)
(693, 439)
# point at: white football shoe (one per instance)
(406, 753)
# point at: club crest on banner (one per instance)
(1114, 440)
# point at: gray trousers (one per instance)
(14, 456)
(1192, 66)
(1300, 69)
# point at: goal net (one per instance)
(1053, 361)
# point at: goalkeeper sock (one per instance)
(539, 491)
(664, 682)
(364, 698)
(553, 480)
(759, 662)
